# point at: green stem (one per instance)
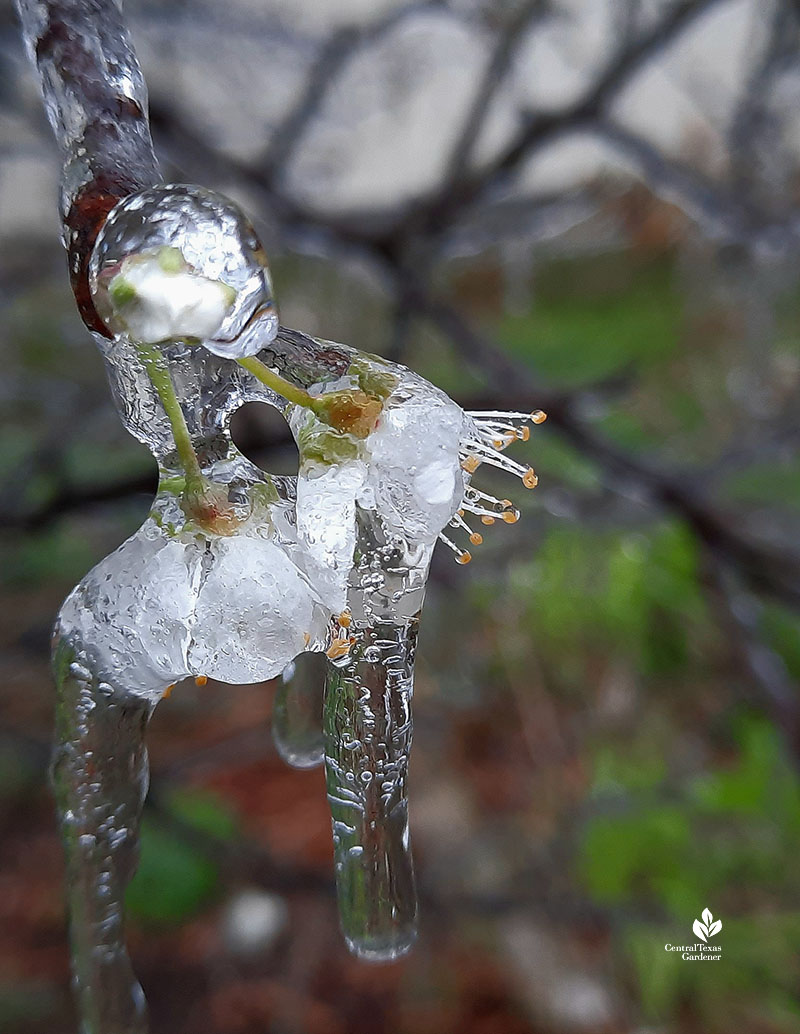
(279, 384)
(162, 382)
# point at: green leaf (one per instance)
(175, 880)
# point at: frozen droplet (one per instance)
(297, 712)
(178, 261)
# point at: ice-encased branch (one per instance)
(235, 572)
(96, 101)
(100, 775)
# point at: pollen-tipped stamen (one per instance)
(458, 522)
(499, 434)
(485, 415)
(463, 556)
(474, 495)
(478, 453)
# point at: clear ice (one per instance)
(236, 573)
(297, 712)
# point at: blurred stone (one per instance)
(253, 921)
(560, 993)
(444, 817)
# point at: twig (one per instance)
(332, 58)
(770, 683)
(435, 214)
(508, 43)
(762, 568)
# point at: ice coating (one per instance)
(95, 96)
(297, 712)
(367, 727)
(252, 633)
(100, 776)
(178, 261)
(415, 480)
(236, 573)
(96, 102)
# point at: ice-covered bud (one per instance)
(157, 297)
(178, 261)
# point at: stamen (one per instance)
(485, 454)
(338, 648)
(463, 556)
(459, 522)
(490, 433)
(498, 414)
(474, 495)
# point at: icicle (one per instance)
(367, 741)
(297, 712)
(100, 779)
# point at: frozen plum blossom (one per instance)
(236, 572)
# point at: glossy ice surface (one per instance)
(236, 572)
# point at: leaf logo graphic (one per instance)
(708, 927)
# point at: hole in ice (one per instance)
(261, 433)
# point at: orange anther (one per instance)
(487, 520)
(530, 479)
(510, 516)
(338, 648)
(200, 680)
(476, 539)
(538, 416)
(464, 558)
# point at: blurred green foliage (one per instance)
(726, 839)
(594, 317)
(629, 592)
(175, 879)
